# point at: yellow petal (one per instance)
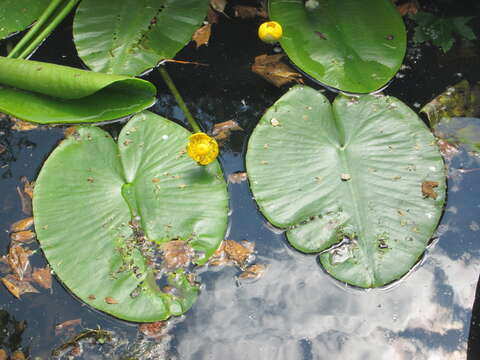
(202, 148)
(270, 31)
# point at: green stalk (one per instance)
(49, 28)
(35, 28)
(173, 89)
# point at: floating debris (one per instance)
(22, 225)
(177, 254)
(253, 272)
(237, 177)
(428, 189)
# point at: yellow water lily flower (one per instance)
(202, 148)
(270, 31)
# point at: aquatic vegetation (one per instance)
(202, 148)
(347, 181)
(357, 56)
(270, 31)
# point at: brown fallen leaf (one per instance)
(67, 326)
(3, 148)
(22, 225)
(17, 287)
(408, 8)
(23, 236)
(253, 272)
(27, 186)
(202, 35)
(153, 330)
(43, 277)
(237, 177)
(237, 253)
(222, 131)
(18, 260)
(110, 300)
(428, 189)
(20, 125)
(176, 254)
(70, 131)
(273, 70)
(245, 12)
(26, 201)
(3, 354)
(18, 355)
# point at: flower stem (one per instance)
(32, 39)
(173, 89)
(35, 28)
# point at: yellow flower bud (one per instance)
(270, 32)
(202, 148)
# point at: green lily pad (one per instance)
(16, 15)
(361, 182)
(133, 36)
(50, 94)
(104, 212)
(354, 46)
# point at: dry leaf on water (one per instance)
(428, 189)
(273, 70)
(237, 177)
(18, 260)
(3, 354)
(26, 195)
(23, 236)
(176, 253)
(27, 186)
(20, 125)
(231, 252)
(253, 272)
(22, 225)
(202, 35)
(153, 330)
(17, 287)
(18, 355)
(43, 277)
(222, 131)
(407, 8)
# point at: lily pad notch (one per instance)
(53, 94)
(108, 221)
(352, 188)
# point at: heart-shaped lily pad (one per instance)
(350, 45)
(361, 182)
(105, 214)
(133, 36)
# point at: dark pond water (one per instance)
(295, 311)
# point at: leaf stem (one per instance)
(173, 89)
(49, 28)
(35, 28)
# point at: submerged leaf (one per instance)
(26, 236)
(222, 131)
(253, 272)
(273, 70)
(18, 287)
(42, 277)
(48, 93)
(18, 260)
(176, 254)
(340, 190)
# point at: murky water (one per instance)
(295, 311)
